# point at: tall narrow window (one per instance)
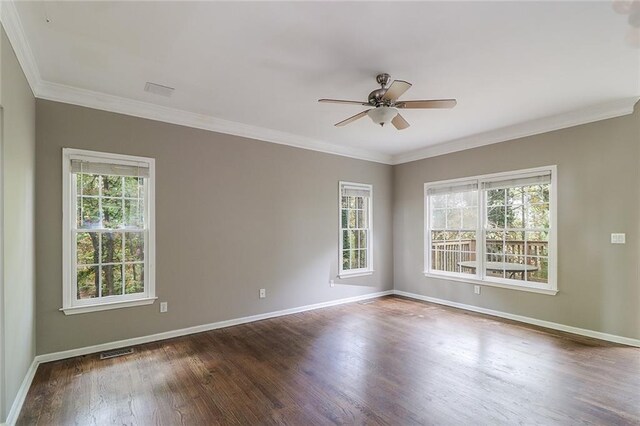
(355, 229)
(108, 227)
(496, 229)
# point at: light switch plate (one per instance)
(618, 238)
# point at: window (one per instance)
(108, 231)
(355, 229)
(495, 229)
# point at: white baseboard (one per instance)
(26, 383)
(12, 417)
(201, 328)
(528, 320)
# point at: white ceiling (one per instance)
(265, 64)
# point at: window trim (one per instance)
(70, 305)
(352, 273)
(551, 288)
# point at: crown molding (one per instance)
(105, 102)
(15, 32)
(547, 124)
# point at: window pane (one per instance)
(363, 258)
(438, 236)
(134, 247)
(537, 216)
(495, 197)
(515, 217)
(470, 218)
(541, 272)
(346, 257)
(112, 186)
(439, 219)
(362, 239)
(111, 280)
(495, 217)
(536, 194)
(134, 278)
(514, 243)
(352, 219)
(360, 202)
(494, 242)
(134, 213)
(514, 267)
(352, 202)
(454, 219)
(134, 187)
(362, 219)
(344, 202)
(355, 258)
(345, 215)
(88, 215)
(87, 248)
(112, 213)
(494, 266)
(87, 282)
(445, 260)
(515, 196)
(470, 199)
(537, 243)
(455, 200)
(438, 201)
(111, 247)
(88, 184)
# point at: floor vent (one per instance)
(116, 352)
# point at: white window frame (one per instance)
(70, 303)
(360, 271)
(550, 288)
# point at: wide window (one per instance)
(494, 229)
(355, 229)
(108, 231)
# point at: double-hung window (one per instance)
(355, 229)
(498, 229)
(108, 239)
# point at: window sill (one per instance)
(547, 291)
(72, 310)
(355, 274)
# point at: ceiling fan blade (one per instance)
(433, 103)
(397, 88)
(399, 122)
(352, 119)
(340, 101)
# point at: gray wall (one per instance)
(18, 168)
(598, 177)
(232, 215)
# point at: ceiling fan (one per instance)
(386, 105)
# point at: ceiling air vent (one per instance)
(158, 89)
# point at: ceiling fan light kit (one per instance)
(382, 115)
(386, 105)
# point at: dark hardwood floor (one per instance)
(389, 361)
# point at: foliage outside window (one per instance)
(355, 229)
(108, 230)
(497, 229)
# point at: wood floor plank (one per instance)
(391, 361)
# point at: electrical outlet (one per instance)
(263, 293)
(163, 307)
(618, 238)
(332, 283)
(476, 289)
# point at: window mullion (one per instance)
(480, 248)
